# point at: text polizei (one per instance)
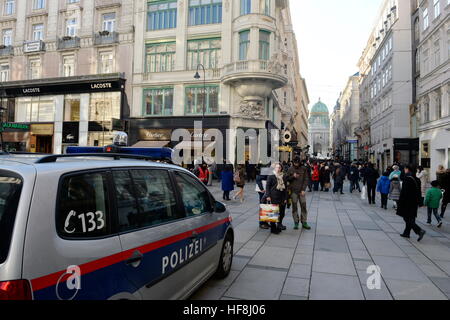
(182, 255)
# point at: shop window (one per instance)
(104, 106)
(100, 138)
(71, 108)
(197, 99)
(161, 15)
(205, 12)
(35, 109)
(158, 101)
(160, 57)
(206, 52)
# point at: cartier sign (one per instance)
(155, 134)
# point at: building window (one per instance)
(206, 52)
(205, 12)
(160, 57)
(265, 7)
(106, 62)
(437, 8)
(38, 32)
(35, 68)
(416, 30)
(9, 7)
(7, 37)
(196, 98)
(246, 7)
(104, 106)
(264, 45)
(417, 61)
(162, 15)
(437, 53)
(426, 60)
(426, 21)
(35, 109)
(38, 4)
(158, 102)
(4, 72)
(439, 110)
(68, 66)
(71, 27)
(244, 43)
(426, 110)
(109, 22)
(73, 1)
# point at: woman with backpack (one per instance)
(239, 179)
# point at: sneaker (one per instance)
(306, 226)
(422, 233)
(439, 224)
(296, 226)
(404, 236)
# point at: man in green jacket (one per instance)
(299, 178)
(432, 200)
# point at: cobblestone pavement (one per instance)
(330, 261)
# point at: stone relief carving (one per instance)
(252, 109)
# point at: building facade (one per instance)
(390, 86)
(64, 66)
(249, 78)
(433, 86)
(319, 130)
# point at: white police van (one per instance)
(107, 226)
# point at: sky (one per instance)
(331, 36)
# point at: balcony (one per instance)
(105, 38)
(6, 51)
(68, 43)
(254, 79)
(33, 46)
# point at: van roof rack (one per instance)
(115, 156)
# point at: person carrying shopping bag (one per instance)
(276, 193)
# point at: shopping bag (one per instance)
(364, 193)
(269, 212)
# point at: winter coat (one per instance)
(395, 189)
(276, 196)
(315, 174)
(354, 174)
(410, 196)
(227, 181)
(326, 176)
(371, 176)
(339, 175)
(261, 182)
(433, 198)
(298, 184)
(395, 173)
(423, 176)
(384, 185)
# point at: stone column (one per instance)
(84, 119)
(58, 124)
(182, 29)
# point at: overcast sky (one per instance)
(331, 36)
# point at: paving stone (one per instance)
(444, 265)
(383, 248)
(239, 263)
(287, 297)
(442, 283)
(326, 286)
(303, 258)
(300, 271)
(432, 270)
(276, 257)
(413, 290)
(257, 284)
(213, 282)
(331, 262)
(296, 287)
(331, 244)
(208, 293)
(360, 254)
(399, 268)
(377, 294)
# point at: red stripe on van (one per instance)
(51, 279)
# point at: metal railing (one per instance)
(106, 38)
(6, 51)
(68, 42)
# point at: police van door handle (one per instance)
(135, 259)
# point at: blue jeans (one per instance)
(435, 213)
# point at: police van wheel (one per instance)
(226, 257)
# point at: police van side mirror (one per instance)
(219, 207)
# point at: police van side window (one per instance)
(153, 198)
(195, 197)
(84, 210)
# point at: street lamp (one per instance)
(197, 77)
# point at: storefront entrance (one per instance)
(44, 144)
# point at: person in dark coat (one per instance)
(261, 182)
(276, 193)
(353, 176)
(339, 177)
(408, 203)
(227, 181)
(445, 181)
(326, 178)
(371, 175)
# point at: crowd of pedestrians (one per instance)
(285, 184)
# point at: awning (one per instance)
(151, 144)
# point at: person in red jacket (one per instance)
(315, 176)
(202, 173)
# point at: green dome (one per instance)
(319, 107)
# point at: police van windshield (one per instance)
(10, 189)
